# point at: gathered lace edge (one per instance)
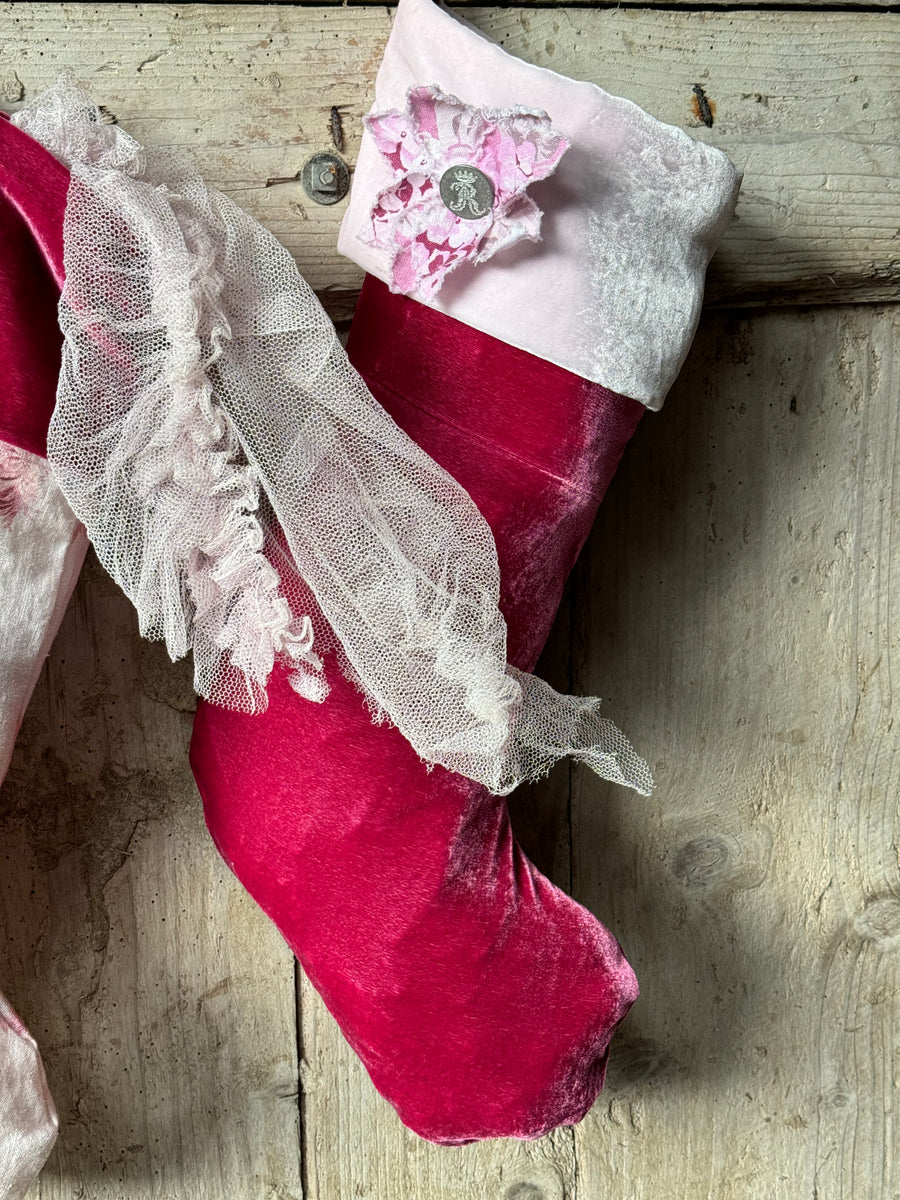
(230, 569)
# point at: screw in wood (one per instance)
(325, 178)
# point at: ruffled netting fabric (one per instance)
(247, 492)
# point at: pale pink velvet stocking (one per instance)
(42, 547)
(480, 998)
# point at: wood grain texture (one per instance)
(738, 600)
(807, 104)
(161, 998)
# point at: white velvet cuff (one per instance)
(632, 214)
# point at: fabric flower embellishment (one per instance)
(458, 188)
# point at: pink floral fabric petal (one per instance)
(427, 255)
(414, 191)
(522, 220)
(394, 135)
(426, 240)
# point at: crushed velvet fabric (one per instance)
(42, 548)
(32, 202)
(28, 1119)
(480, 998)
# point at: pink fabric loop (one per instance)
(33, 188)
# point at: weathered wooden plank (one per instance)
(806, 103)
(739, 602)
(162, 999)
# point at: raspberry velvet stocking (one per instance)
(480, 998)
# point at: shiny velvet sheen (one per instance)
(480, 998)
(33, 188)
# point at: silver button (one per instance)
(467, 192)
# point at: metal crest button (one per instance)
(467, 192)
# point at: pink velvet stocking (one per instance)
(480, 998)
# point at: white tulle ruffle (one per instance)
(245, 489)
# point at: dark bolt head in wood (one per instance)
(704, 108)
(325, 178)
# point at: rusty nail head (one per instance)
(325, 178)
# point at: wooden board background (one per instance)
(736, 604)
